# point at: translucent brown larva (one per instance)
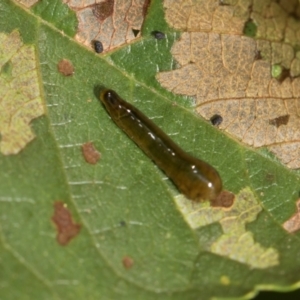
(196, 179)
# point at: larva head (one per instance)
(109, 98)
(112, 102)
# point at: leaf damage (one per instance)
(103, 10)
(67, 229)
(225, 199)
(90, 153)
(113, 22)
(252, 84)
(20, 98)
(281, 120)
(236, 242)
(127, 262)
(293, 223)
(65, 67)
(27, 3)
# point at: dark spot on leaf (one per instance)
(285, 73)
(66, 228)
(6, 69)
(103, 10)
(293, 223)
(270, 178)
(90, 153)
(282, 120)
(158, 35)
(250, 28)
(65, 67)
(257, 55)
(295, 14)
(225, 199)
(135, 32)
(123, 223)
(98, 46)
(127, 262)
(216, 120)
(223, 3)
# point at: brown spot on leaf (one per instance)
(123, 223)
(285, 73)
(282, 120)
(127, 262)
(293, 223)
(225, 200)
(270, 178)
(103, 10)
(258, 55)
(145, 7)
(66, 228)
(90, 153)
(65, 67)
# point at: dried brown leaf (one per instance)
(233, 76)
(113, 22)
(207, 15)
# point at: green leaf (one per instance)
(126, 206)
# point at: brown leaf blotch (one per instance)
(103, 10)
(293, 223)
(145, 7)
(270, 178)
(90, 153)
(225, 200)
(258, 55)
(65, 67)
(282, 120)
(223, 3)
(66, 228)
(127, 262)
(285, 73)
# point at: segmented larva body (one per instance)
(196, 179)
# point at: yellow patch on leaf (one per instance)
(27, 3)
(20, 99)
(293, 223)
(236, 242)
